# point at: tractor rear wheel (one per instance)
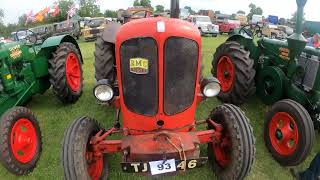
(289, 132)
(66, 73)
(77, 155)
(233, 156)
(104, 62)
(234, 69)
(21, 143)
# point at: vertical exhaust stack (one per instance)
(296, 42)
(175, 9)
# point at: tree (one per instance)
(110, 13)
(190, 10)
(254, 10)
(241, 12)
(159, 8)
(64, 6)
(136, 3)
(1, 15)
(145, 3)
(89, 8)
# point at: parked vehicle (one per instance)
(242, 18)
(29, 67)
(43, 32)
(204, 24)
(271, 31)
(93, 27)
(71, 27)
(149, 70)
(273, 19)
(227, 26)
(286, 75)
(286, 29)
(256, 19)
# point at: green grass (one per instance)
(55, 117)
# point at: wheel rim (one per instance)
(73, 72)
(283, 133)
(222, 151)
(23, 140)
(95, 166)
(225, 73)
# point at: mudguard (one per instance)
(236, 37)
(109, 34)
(55, 41)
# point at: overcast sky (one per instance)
(283, 8)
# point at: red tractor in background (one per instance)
(149, 69)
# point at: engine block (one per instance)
(310, 64)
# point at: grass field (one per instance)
(55, 117)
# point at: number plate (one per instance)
(158, 167)
(161, 167)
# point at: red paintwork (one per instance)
(143, 139)
(226, 27)
(95, 165)
(222, 151)
(148, 28)
(290, 136)
(151, 146)
(23, 140)
(73, 72)
(225, 73)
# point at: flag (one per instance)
(29, 18)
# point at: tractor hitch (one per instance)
(165, 145)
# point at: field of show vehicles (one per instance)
(139, 68)
(28, 67)
(286, 75)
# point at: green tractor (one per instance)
(28, 67)
(283, 73)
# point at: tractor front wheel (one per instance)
(234, 69)
(233, 156)
(21, 143)
(66, 73)
(289, 132)
(78, 158)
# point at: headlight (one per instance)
(210, 87)
(103, 91)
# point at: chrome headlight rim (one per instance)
(210, 87)
(103, 88)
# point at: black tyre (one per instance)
(104, 63)
(66, 73)
(76, 150)
(20, 138)
(232, 157)
(289, 132)
(234, 69)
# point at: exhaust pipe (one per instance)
(175, 9)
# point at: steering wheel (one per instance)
(247, 29)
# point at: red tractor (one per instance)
(149, 69)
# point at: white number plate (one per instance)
(160, 167)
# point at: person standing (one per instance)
(314, 41)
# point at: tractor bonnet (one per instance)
(158, 67)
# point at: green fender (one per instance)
(53, 42)
(40, 64)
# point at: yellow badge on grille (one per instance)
(139, 65)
